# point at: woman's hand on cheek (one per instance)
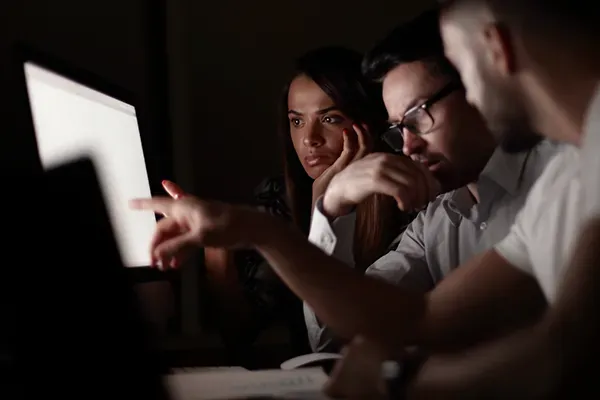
(356, 146)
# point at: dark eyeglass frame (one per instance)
(398, 129)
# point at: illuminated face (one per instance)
(316, 125)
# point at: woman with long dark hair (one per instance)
(329, 116)
(330, 79)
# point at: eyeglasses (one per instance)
(418, 120)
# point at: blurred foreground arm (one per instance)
(471, 303)
(554, 358)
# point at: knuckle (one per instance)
(351, 172)
(373, 157)
(334, 185)
(380, 166)
(386, 160)
(377, 171)
(380, 157)
(160, 253)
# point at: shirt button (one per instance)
(483, 225)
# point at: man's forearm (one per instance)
(522, 365)
(575, 319)
(235, 316)
(553, 358)
(344, 299)
(452, 316)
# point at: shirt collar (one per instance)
(503, 170)
(592, 114)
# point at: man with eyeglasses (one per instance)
(443, 139)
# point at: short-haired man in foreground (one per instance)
(506, 51)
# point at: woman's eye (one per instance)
(295, 121)
(333, 119)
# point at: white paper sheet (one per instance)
(307, 359)
(215, 385)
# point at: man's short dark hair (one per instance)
(416, 40)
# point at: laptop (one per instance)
(71, 322)
(76, 114)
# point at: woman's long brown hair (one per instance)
(337, 71)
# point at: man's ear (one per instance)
(499, 48)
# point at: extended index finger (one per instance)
(160, 205)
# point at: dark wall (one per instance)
(119, 40)
(227, 63)
(108, 38)
(103, 36)
(240, 53)
(237, 55)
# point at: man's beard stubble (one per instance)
(510, 126)
(516, 141)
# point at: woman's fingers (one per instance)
(347, 153)
(173, 189)
(364, 143)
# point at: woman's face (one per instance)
(316, 126)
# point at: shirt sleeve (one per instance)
(514, 248)
(335, 238)
(544, 225)
(406, 266)
(591, 160)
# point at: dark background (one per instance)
(209, 75)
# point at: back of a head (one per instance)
(567, 11)
(565, 18)
(415, 40)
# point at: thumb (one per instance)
(173, 189)
(434, 188)
(174, 246)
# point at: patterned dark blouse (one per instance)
(269, 298)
